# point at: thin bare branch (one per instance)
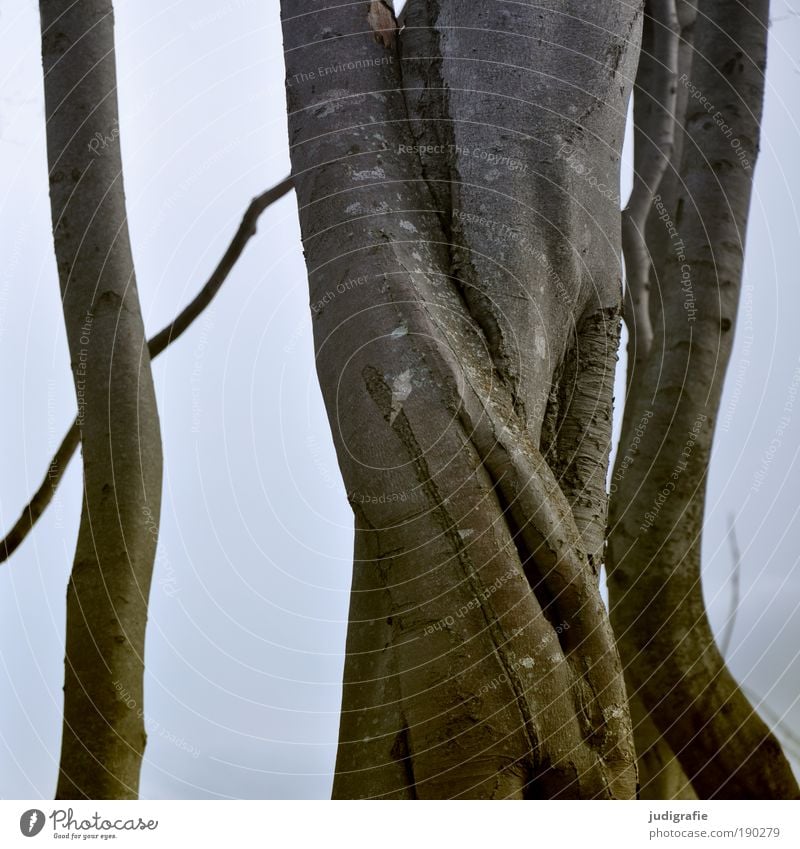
(58, 465)
(736, 587)
(246, 231)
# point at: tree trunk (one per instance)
(659, 615)
(104, 738)
(659, 109)
(457, 185)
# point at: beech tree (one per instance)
(457, 175)
(463, 164)
(103, 739)
(117, 423)
(708, 128)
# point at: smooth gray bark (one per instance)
(654, 104)
(658, 611)
(659, 110)
(457, 193)
(104, 737)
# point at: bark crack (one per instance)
(380, 391)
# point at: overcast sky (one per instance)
(249, 603)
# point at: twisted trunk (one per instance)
(461, 231)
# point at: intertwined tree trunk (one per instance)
(457, 179)
(104, 737)
(457, 184)
(695, 236)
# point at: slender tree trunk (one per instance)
(658, 611)
(104, 737)
(457, 189)
(659, 109)
(654, 136)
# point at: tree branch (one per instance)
(736, 583)
(58, 465)
(654, 134)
